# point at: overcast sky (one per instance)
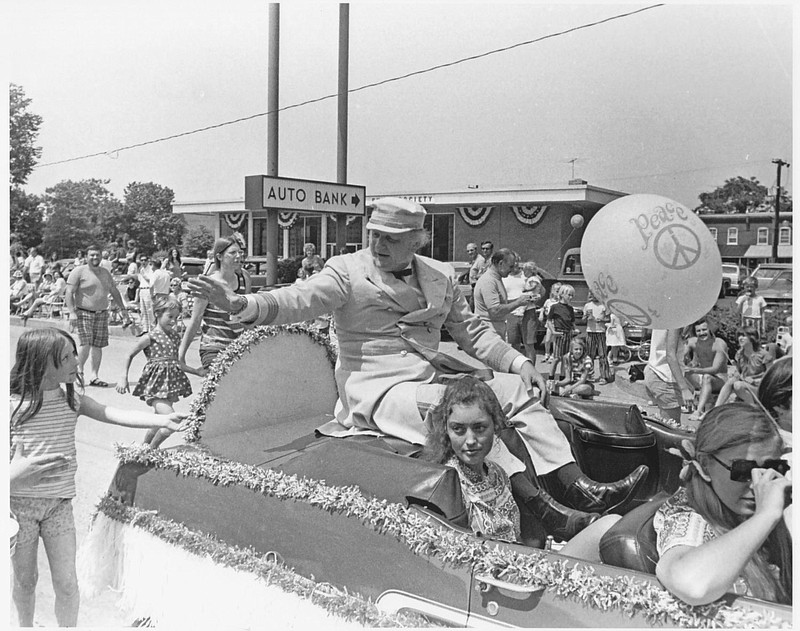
(672, 100)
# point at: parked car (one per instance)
(192, 266)
(732, 276)
(775, 283)
(461, 269)
(256, 493)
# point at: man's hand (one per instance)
(215, 291)
(532, 377)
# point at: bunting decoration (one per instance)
(529, 215)
(349, 221)
(287, 220)
(235, 220)
(475, 216)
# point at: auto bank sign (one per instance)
(281, 193)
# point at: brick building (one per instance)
(747, 238)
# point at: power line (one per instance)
(359, 89)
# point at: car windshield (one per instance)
(783, 282)
(767, 273)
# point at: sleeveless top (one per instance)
(217, 328)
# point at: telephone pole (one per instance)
(776, 229)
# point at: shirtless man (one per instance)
(707, 360)
(88, 288)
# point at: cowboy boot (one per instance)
(561, 522)
(587, 495)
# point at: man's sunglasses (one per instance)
(742, 470)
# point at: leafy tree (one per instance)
(737, 195)
(148, 207)
(25, 217)
(24, 129)
(197, 241)
(75, 214)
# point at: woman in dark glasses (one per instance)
(723, 531)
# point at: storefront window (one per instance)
(353, 239)
(441, 245)
(307, 229)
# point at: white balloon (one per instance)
(651, 261)
(576, 221)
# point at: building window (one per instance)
(763, 236)
(785, 236)
(307, 229)
(733, 236)
(353, 238)
(442, 229)
(713, 232)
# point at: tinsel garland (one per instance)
(235, 350)
(568, 580)
(350, 607)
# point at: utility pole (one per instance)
(272, 136)
(341, 129)
(776, 229)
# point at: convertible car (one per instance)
(255, 505)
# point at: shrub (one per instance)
(287, 269)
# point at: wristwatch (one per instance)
(238, 308)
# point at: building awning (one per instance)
(765, 252)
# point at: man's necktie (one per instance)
(403, 272)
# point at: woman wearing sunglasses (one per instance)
(723, 530)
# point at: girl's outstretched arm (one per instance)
(143, 343)
(200, 372)
(130, 418)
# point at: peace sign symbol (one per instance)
(631, 312)
(676, 247)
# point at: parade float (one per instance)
(256, 518)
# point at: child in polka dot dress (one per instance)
(163, 380)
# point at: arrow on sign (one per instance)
(355, 200)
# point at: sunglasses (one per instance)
(742, 470)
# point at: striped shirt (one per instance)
(217, 327)
(50, 431)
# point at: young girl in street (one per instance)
(596, 317)
(615, 338)
(578, 372)
(548, 335)
(44, 411)
(562, 315)
(163, 380)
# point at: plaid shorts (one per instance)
(42, 516)
(92, 328)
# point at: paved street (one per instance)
(96, 461)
